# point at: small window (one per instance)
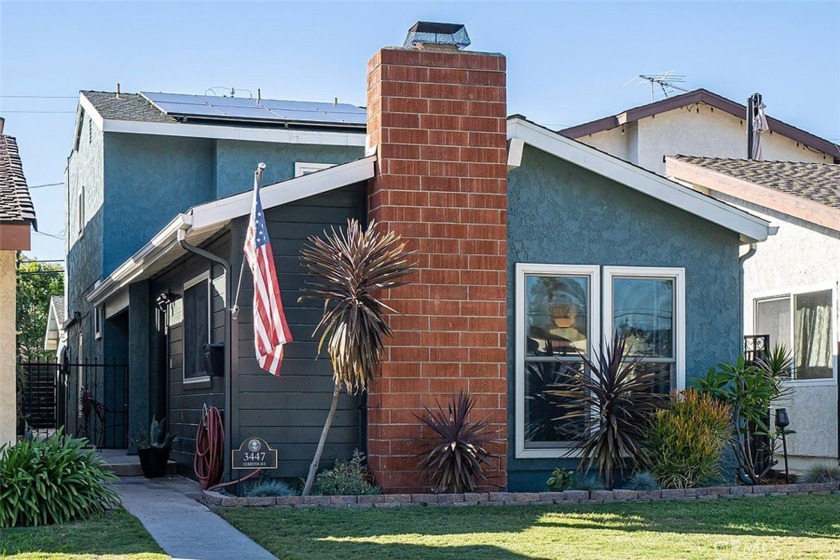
(196, 327)
(98, 318)
(80, 211)
(303, 168)
(803, 323)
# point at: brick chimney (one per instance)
(438, 116)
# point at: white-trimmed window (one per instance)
(802, 321)
(557, 318)
(80, 211)
(196, 326)
(563, 311)
(98, 320)
(647, 306)
(305, 168)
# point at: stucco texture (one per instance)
(7, 343)
(697, 130)
(237, 160)
(559, 213)
(800, 257)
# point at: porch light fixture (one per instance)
(427, 34)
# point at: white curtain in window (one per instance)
(812, 333)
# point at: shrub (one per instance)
(52, 480)
(614, 398)
(346, 478)
(684, 442)
(821, 472)
(560, 480)
(642, 482)
(455, 458)
(269, 487)
(583, 481)
(749, 390)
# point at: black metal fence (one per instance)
(88, 400)
(39, 394)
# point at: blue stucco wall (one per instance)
(84, 250)
(237, 160)
(559, 213)
(148, 180)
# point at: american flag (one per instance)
(270, 329)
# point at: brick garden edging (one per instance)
(215, 499)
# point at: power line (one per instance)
(46, 185)
(52, 112)
(60, 238)
(39, 96)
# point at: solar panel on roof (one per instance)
(236, 108)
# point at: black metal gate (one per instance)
(39, 395)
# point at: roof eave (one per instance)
(205, 220)
(750, 228)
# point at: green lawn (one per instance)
(765, 528)
(112, 536)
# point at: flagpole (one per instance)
(235, 309)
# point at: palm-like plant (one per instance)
(455, 458)
(613, 397)
(348, 268)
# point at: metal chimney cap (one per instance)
(427, 33)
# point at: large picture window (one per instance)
(803, 323)
(196, 327)
(558, 317)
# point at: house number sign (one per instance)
(254, 453)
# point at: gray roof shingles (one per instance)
(818, 182)
(15, 202)
(126, 107)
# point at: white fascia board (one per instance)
(750, 228)
(277, 194)
(516, 146)
(205, 219)
(275, 135)
(88, 107)
(133, 267)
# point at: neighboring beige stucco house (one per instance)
(16, 218)
(791, 282)
(698, 123)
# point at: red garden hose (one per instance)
(209, 459)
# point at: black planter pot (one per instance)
(153, 461)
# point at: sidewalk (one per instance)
(184, 528)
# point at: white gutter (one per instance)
(205, 219)
(160, 244)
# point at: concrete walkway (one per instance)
(184, 528)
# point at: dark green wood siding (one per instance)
(186, 401)
(289, 411)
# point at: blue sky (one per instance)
(568, 62)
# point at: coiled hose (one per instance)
(208, 462)
(209, 459)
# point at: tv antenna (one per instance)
(667, 81)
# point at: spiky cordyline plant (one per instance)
(614, 397)
(347, 269)
(455, 457)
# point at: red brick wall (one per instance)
(438, 119)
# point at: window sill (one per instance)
(548, 454)
(194, 383)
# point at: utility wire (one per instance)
(52, 112)
(46, 185)
(60, 238)
(39, 97)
